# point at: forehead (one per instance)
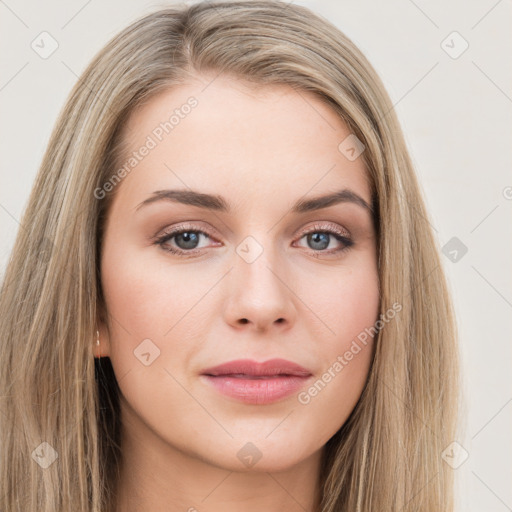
(221, 135)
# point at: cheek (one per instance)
(345, 301)
(146, 296)
(348, 307)
(150, 306)
(354, 312)
(159, 309)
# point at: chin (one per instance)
(260, 457)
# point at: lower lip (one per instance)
(257, 391)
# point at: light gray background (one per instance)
(456, 115)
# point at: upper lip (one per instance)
(271, 367)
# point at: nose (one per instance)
(260, 295)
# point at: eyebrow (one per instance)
(218, 203)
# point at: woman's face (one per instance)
(252, 275)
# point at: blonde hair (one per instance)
(387, 456)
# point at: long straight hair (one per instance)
(58, 402)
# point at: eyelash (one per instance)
(317, 228)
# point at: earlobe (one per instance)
(101, 335)
(100, 345)
(97, 346)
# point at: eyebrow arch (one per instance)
(218, 203)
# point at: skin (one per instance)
(262, 150)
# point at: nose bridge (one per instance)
(258, 263)
(259, 292)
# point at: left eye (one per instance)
(320, 240)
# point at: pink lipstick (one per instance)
(257, 383)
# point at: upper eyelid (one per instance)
(318, 226)
(186, 227)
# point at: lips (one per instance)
(246, 368)
(257, 383)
